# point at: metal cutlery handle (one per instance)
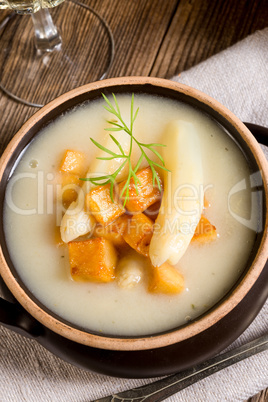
(162, 389)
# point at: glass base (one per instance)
(85, 55)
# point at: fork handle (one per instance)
(160, 390)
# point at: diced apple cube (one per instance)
(74, 162)
(205, 231)
(92, 260)
(148, 192)
(99, 202)
(165, 279)
(138, 233)
(114, 231)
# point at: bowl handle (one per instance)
(16, 318)
(259, 132)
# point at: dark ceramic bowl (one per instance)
(162, 353)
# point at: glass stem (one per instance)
(47, 37)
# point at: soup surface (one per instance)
(209, 269)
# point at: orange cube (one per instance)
(114, 231)
(74, 162)
(204, 231)
(138, 233)
(99, 202)
(92, 260)
(148, 193)
(165, 279)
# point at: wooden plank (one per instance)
(260, 397)
(138, 28)
(201, 29)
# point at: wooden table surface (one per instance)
(159, 38)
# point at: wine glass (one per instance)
(46, 53)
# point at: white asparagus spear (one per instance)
(182, 201)
(75, 224)
(130, 270)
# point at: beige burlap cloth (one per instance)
(238, 78)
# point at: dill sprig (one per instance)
(120, 125)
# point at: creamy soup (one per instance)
(209, 269)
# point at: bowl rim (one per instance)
(170, 337)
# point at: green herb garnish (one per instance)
(120, 125)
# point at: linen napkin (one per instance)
(238, 78)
